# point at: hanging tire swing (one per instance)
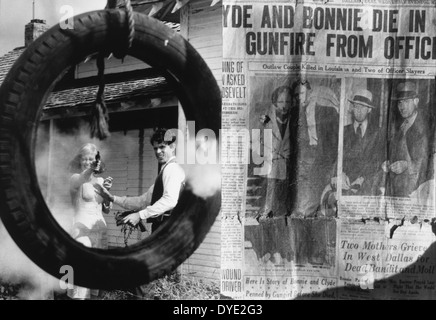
(22, 95)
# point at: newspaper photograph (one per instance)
(330, 97)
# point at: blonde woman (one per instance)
(89, 226)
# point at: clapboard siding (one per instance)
(201, 25)
(133, 175)
(204, 32)
(201, 42)
(202, 273)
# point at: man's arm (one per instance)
(173, 177)
(77, 179)
(134, 203)
(126, 202)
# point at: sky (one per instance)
(15, 14)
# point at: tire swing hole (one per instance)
(23, 209)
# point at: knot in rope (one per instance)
(99, 113)
(130, 30)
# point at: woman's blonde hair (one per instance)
(75, 164)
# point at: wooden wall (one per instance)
(133, 166)
(200, 24)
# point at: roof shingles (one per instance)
(114, 92)
(8, 60)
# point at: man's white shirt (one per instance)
(173, 177)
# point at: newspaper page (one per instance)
(328, 125)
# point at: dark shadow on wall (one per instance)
(300, 240)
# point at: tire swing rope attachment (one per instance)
(99, 123)
(23, 94)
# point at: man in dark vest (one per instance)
(156, 204)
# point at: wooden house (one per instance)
(138, 99)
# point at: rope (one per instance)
(131, 23)
(122, 52)
(100, 76)
(99, 114)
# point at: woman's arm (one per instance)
(78, 179)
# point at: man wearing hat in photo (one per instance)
(408, 145)
(362, 148)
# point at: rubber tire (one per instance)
(22, 97)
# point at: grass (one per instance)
(172, 287)
(10, 291)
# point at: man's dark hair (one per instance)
(159, 136)
(278, 91)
